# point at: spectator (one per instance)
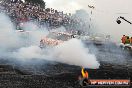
(123, 39)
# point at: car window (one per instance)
(62, 37)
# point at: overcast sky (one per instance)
(72, 5)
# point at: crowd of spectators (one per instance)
(20, 12)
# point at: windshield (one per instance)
(62, 37)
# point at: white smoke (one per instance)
(71, 52)
(25, 46)
(34, 33)
(74, 52)
(26, 53)
(8, 38)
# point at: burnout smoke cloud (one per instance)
(25, 48)
(74, 53)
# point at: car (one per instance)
(55, 38)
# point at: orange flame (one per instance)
(84, 73)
